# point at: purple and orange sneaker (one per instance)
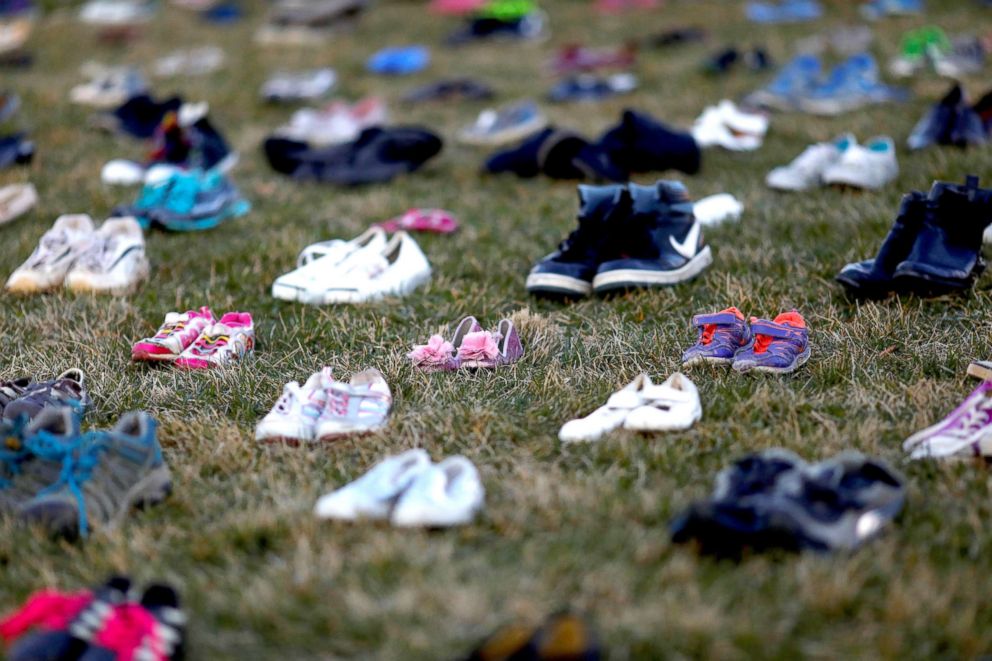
(721, 336)
(177, 334)
(227, 341)
(780, 346)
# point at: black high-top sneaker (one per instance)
(874, 277)
(660, 244)
(569, 271)
(947, 254)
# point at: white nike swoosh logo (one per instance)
(688, 246)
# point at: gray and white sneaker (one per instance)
(70, 237)
(504, 125)
(806, 170)
(871, 165)
(358, 407)
(286, 86)
(115, 262)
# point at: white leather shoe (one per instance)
(373, 495)
(397, 270)
(448, 494)
(608, 417)
(672, 406)
(317, 266)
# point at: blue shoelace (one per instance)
(78, 457)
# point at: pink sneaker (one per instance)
(229, 340)
(485, 349)
(176, 335)
(439, 355)
(422, 220)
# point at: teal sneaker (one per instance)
(31, 453)
(102, 478)
(187, 202)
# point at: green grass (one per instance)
(585, 526)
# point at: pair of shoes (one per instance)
(918, 48)
(590, 87)
(965, 432)
(775, 500)
(784, 11)
(334, 124)
(778, 346)
(561, 637)
(377, 155)
(27, 397)
(502, 126)
(185, 139)
(934, 246)
(16, 200)
(628, 236)
(640, 406)
(721, 62)
(575, 58)
(196, 340)
(840, 162)
(293, 86)
(725, 125)
(367, 268)
(470, 348)
(109, 260)
(109, 622)
(954, 121)
(186, 201)
(876, 9)
(108, 87)
(437, 221)
(66, 481)
(323, 409)
(409, 491)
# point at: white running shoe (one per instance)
(673, 406)
(294, 417)
(448, 494)
(806, 170)
(872, 165)
(316, 267)
(725, 125)
(115, 262)
(58, 250)
(397, 270)
(358, 407)
(610, 416)
(373, 495)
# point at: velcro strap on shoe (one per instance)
(778, 331)
(720, 319)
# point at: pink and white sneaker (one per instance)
(967, 431)
(293, 419)
(177, 334)
(226, 341)
(358, 407)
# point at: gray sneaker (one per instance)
(31, 454)
(103, 476)
(66, 390)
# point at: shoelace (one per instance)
(12, 451)
(79, 457)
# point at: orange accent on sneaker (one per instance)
(761, 342)
(709, 329)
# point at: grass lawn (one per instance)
(580, 526)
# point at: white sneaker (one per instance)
(674, 406)
(317, 266)
(717, 209)
(294, 417)
(58, 250)
(448, 494)
(357, 407)
(16, 200)
(115, 262)
(871, 165)
(108, 87)
(397, 270)
(806, 170)
(296, 85)
(373, 495)
(609, 416)
(727, 126)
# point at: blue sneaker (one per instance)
(852, 84)
(103, 474)
(399, 61)
(187, 202)
(877, 9)
(787, 11)
(30, 454)
(793, 81)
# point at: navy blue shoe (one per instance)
(139, 116)
(558, 154)
(661, 244)
(569, 271)
(640, 143)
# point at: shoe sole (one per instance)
(981, 369)
(630, 278)
(764, 369)
(707, 360)
(145, 357)
(553, 283)
(515, 134)
(405, 289)
(87, 287)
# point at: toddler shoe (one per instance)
(294, 417)
(721, 335)
(177, 334)
(60, 247)
(358, 407)
(780, 346)
(439, 355)
(226, 341)
(373, 495)
(318, 264)
(447, 494)
(674, 406)
(611, 415)
(489, 350)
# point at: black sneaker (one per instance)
(947, 254)
(874, 277)
(660, 244)
(569, 271)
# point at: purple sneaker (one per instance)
(485, 349)
(439, 355)
(721, 335)
(966, 431)
(780, 346)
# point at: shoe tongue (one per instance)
(791, 319)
